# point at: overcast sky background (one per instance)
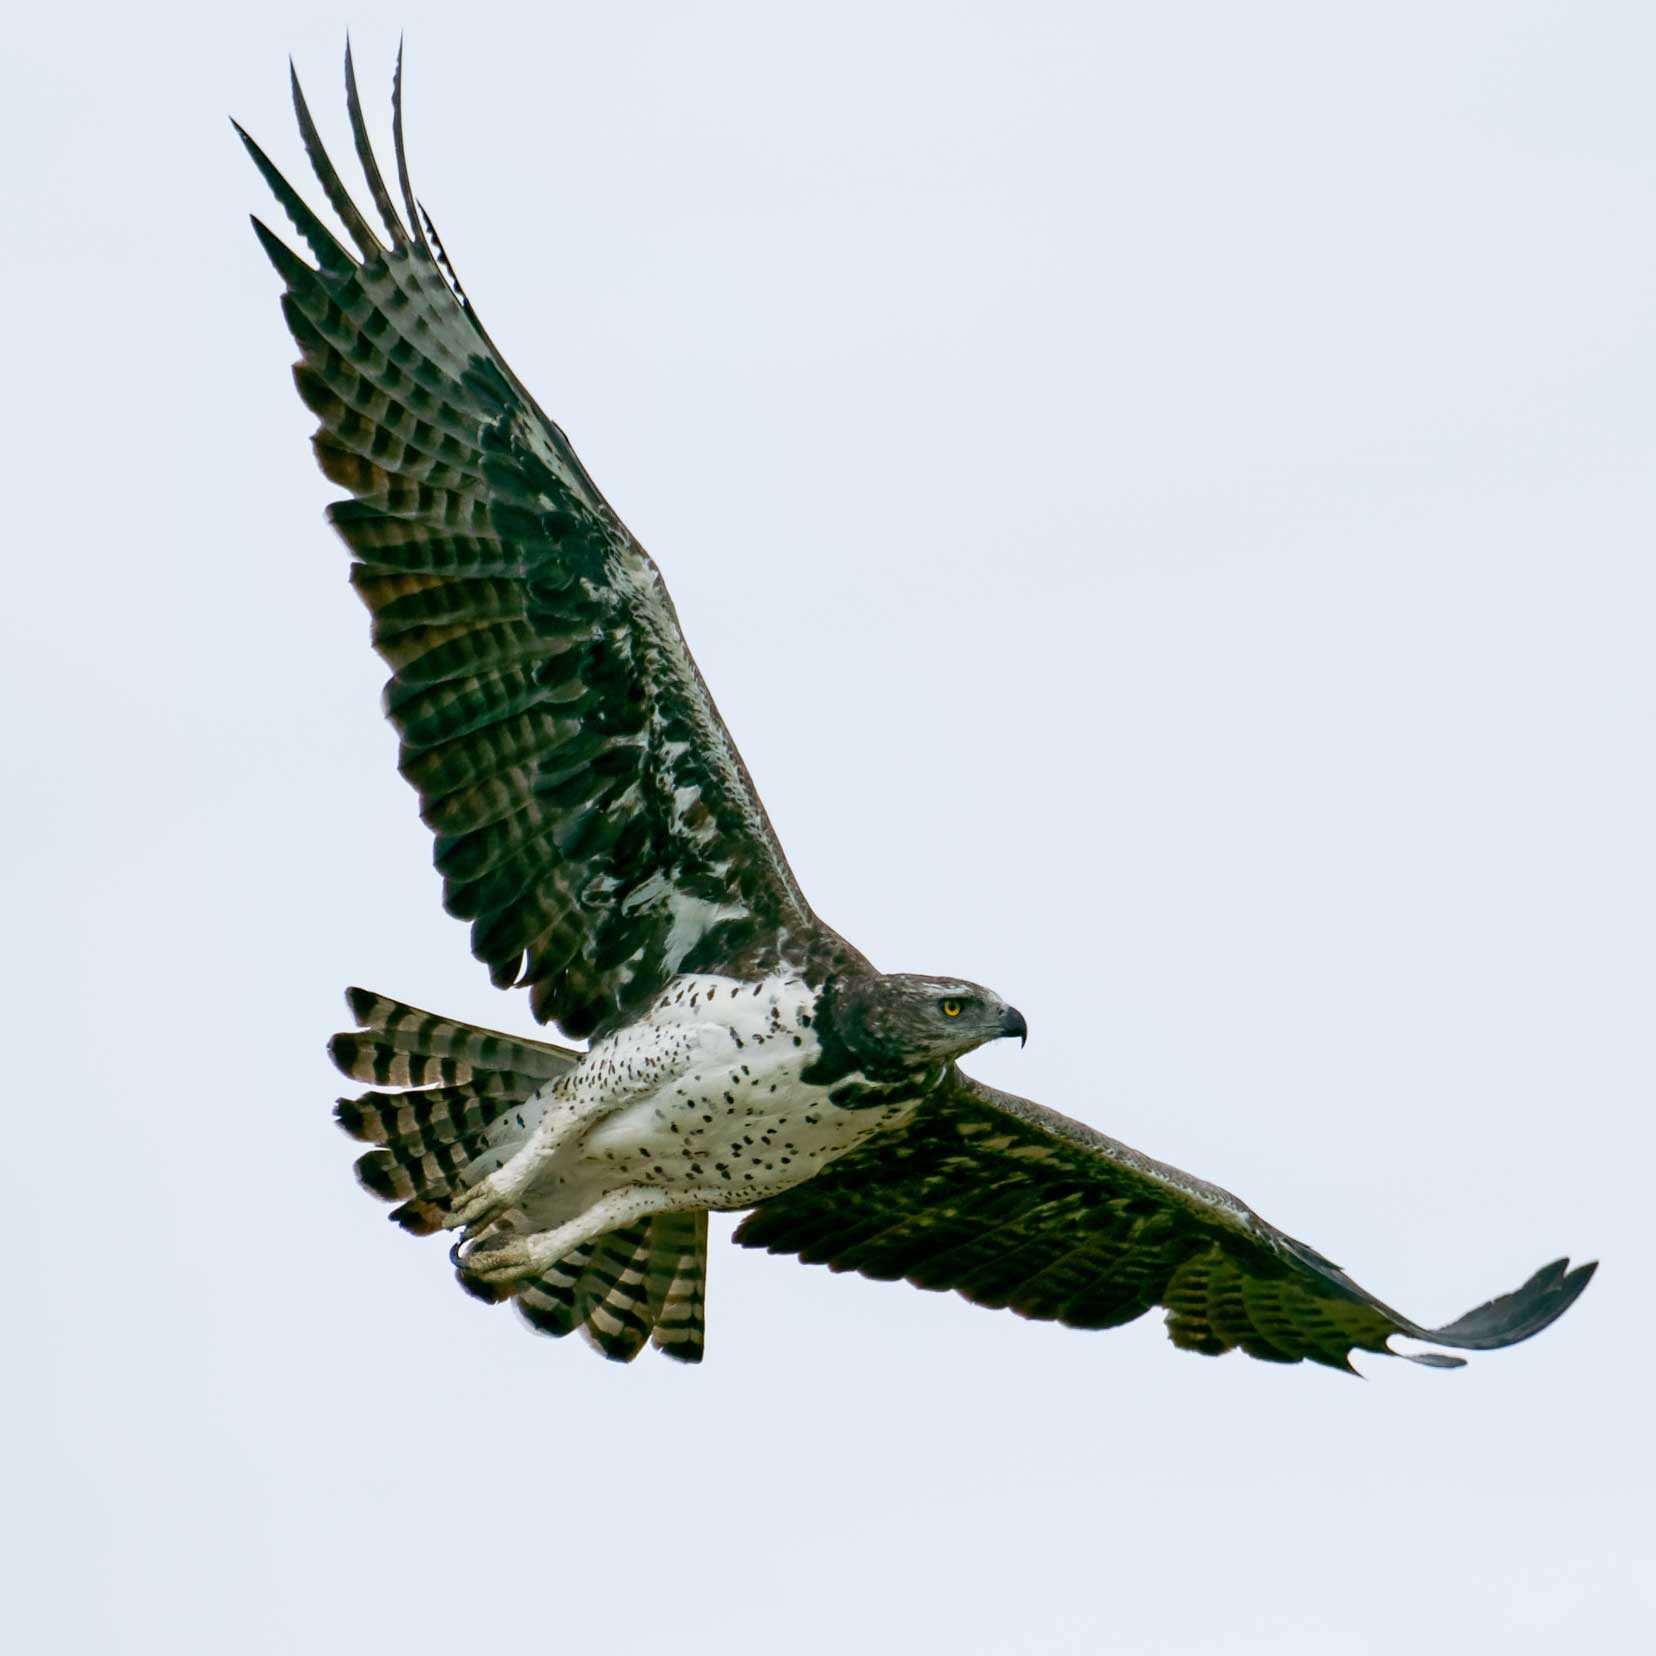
(1164, 499)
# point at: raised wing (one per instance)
(593, 819)
(1016, 1206)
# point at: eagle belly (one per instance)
(703, 1100)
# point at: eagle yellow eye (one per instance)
(951, 1009)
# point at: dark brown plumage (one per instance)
(1012, 1205)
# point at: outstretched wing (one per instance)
(593, 819)
(1013, 1205)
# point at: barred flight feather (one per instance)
(1012, 1205)
(566, 752)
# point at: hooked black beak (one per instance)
(1012, 1023)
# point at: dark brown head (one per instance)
(899, 1022)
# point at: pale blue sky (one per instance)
(1164, 499)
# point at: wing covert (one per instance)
(1015, 1206)
(593, 819)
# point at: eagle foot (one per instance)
(486, 1202)
(498, 1261)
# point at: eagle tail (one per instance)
(641, 1284)
(446, 1094)
(449, 1095)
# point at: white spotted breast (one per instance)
(714, 1099)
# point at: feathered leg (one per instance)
(495, 1261)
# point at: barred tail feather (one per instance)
(678, 1330)
(642, 1283)
(460, 1093)
(396, 1031)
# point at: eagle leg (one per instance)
(492, 1198)
(498, 1261)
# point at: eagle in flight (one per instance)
(596, 825)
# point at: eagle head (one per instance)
(900, 1019)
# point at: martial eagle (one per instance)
(595, 824)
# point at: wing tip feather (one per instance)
(1509, 1318)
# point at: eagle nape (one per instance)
(597, 829)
